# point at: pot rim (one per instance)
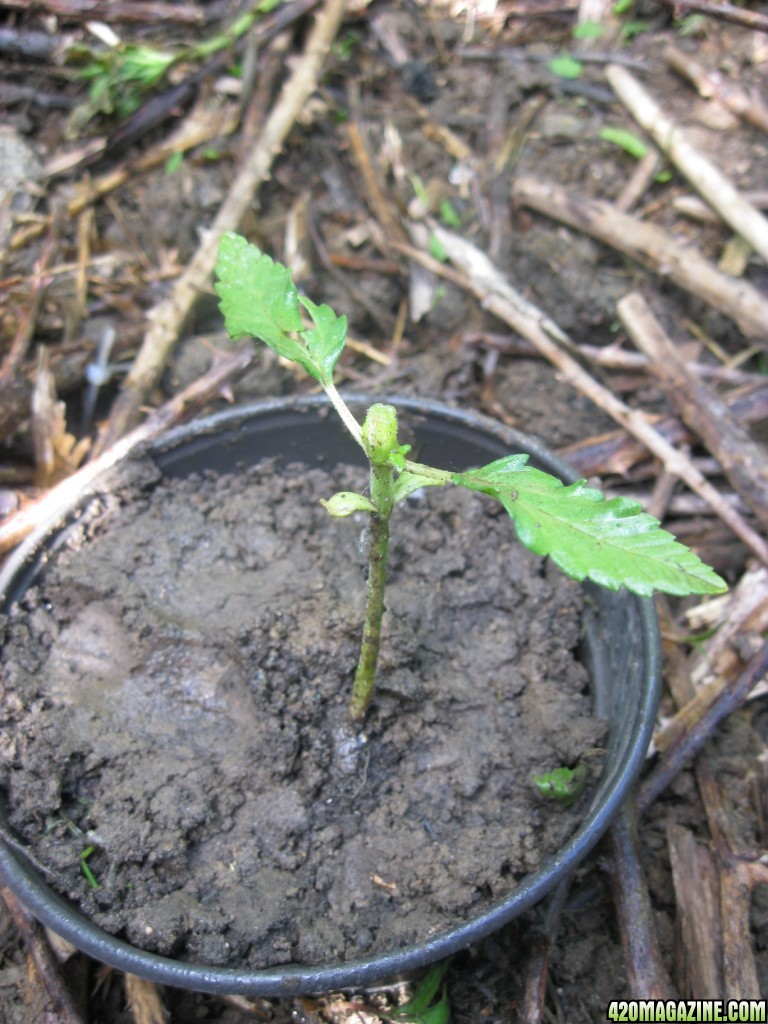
(67, 921)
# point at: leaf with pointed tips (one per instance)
(259, 299)
(612, 542)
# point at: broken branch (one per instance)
(745, 219)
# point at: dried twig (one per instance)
(743, 461)
(200, 125)
(697, 891)
(44, 960)
(714, 85)
(681, 752)
(719, 9)
(26, 327)
(653, 247)
(536, 968)
(708, 181)
(639, 182)
(496, 294)
(167, 318)
(714, 885)
(180, 407)
(144, 1000)
(141, 11)
(646, 974)
(57, 452)
(616, 452)
(695, 208)
(741, 615)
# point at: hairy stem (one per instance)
(345, 413)
(365, 675)
(382, 482)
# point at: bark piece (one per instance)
(697, 890)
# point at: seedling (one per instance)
(565, 785)
(421, 1008)
(611, 542)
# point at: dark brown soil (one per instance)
(177, 689)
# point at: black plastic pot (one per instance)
(621, 649)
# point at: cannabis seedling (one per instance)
(612, 542)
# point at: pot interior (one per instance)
(620, 648)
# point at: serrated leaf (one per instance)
(344, 503)
(259, 299)
(326, 342)
(612, 542)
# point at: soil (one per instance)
(176, 688)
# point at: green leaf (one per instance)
(259, 299)
(437, 249)
(417, 1010)
(588, 30)
(566, 67)
(628, 141)
(630, 29)
(326, 342)
(562, 784)
(614, 543)
(173, 163)
(448, 214)
(344, 503)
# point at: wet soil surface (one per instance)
(176, 692)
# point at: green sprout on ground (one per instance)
(121, 76)
(421, 1008)
(611, 542)
(565, 785)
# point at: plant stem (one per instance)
(382, 482)
(345, 413)
(440, 476)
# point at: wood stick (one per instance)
(167, 318)
(719, 9)
(44, 960)
(739, 871)
(712, 84)
(485, 281)
(745, 219)
(180, 407)
(26, 327)
(691, 742)
(743, 461)
(695, 208)
(646, 974)
(536, 968)
(742, 614)
(654, 248)
(616, 452)
(697, 890)
(144, 1000)
(141, 11)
